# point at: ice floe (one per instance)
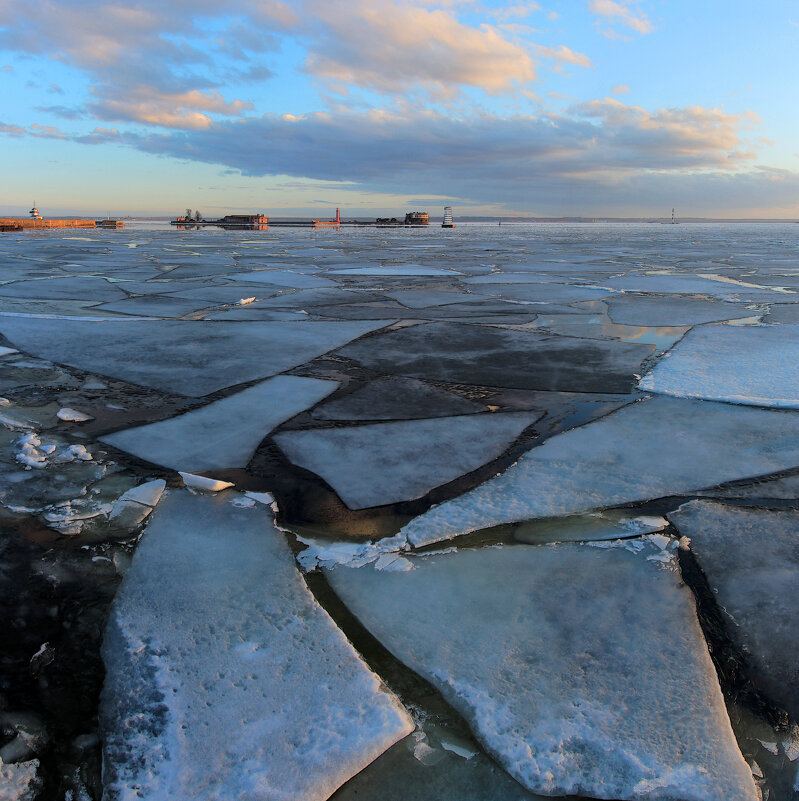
(652, 448)
(186, 357)
(224, 433)
(473, 354)
(751, 560)
(68, 415)
(396, 399)
(753, 364)
(582, 670)
(372, 465)
(225, 679)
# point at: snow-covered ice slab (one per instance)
(372, 465)
(186, 357)
(225, 433)
(751, 560)
(396, 399)
(754, 364)
(225, 679)
(649, 449)
(582, 670)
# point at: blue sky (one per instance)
(585, 107)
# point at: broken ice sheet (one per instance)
(474, 354)
(225, 679)
(187, 357)
(396, 399)
(581, 670)
(754, 364)
(373, 465)
(751, 560)
(649, 449)
(671, 311)
(224, 433)
(608, 525)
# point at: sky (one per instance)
(572, 108)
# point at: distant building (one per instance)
(34, 212)
(417, 218)
(447, 218)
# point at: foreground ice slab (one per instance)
(581, 669)
(649, 449)
(224, 433)
(751, 560)
(750, 364)
(187, 357)
(372, 465)
(224, 677)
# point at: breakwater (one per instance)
(15, 223)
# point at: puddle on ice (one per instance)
(399, 368)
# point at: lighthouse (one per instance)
(34, 212)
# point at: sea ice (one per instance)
(542, 293)
(751, 560)
(649, 449)
(582, 670)
(224, 433)
(472, 354)
(204, 484)
(396, 399)
(754, 364)
(373, 465)
(671, 311)
(593, 527)
(187, 357)
(68, 415)
(394, 270)
(224, 678)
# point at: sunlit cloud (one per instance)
(622, 14)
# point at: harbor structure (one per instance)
(233, 221)
(417, 218)
(34, 212)
(328, 223)
(447, 218)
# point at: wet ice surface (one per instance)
(225, 678)
(410, 367)
(576, 690)
(751, 559)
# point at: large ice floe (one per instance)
(224, 433)
(186, 357)
(751, 560)
(372, 465)
(475, 354)
(581, 669)
(652, 448)
(751, 364)
(225, 679)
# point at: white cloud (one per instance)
(623, 14)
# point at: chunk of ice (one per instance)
(224, 433)
(751, 364)
(68, 415)
(649, 449)
(225, 679)
(751, 560)
(581, 670)
(372, 465)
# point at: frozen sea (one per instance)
(481, 514)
